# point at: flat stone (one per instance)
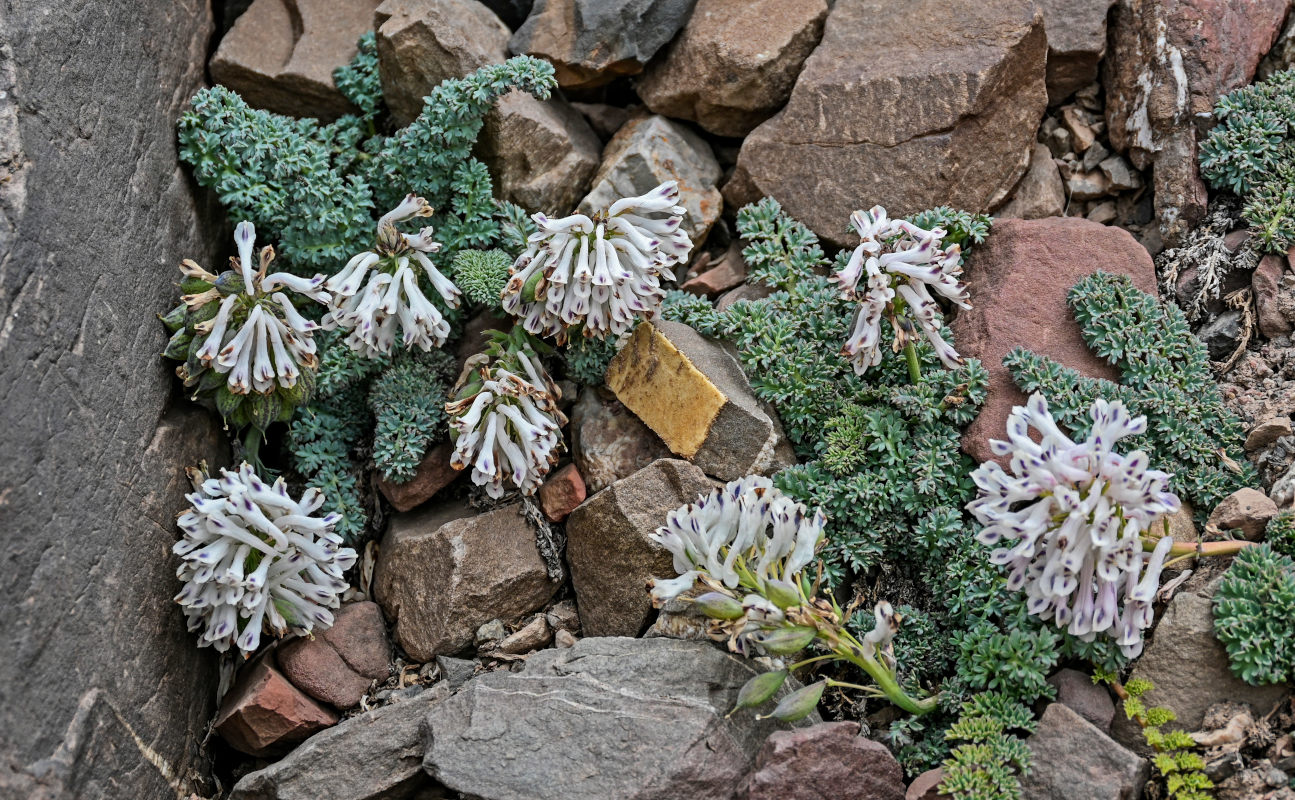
(456, 671)
(1078, 692)
(561, 493)
(1266, 432)
(1274, 297)
(338, 665)
(541, 154)
(1029, 266)
(531, 636)
(889, 114)
(433, 474)
(591, 42)
(280, 54)
(728, 75)
(1078, 122)
(443, 572)
(693, 393)
(1076, 43)
(729, 273)
(1120, 175)
(372, 756)
(1247, 510)
(827, 760)
(1088, 185)
(646, 152)
(1041, 192)
(1073, 760)
(927, 786)
(605, 719)
(1104, 212)
(264, 714)
(609, 442)
(609, 550)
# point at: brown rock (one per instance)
(648, 151)
(1073, 760)
(1271, 307)
(443, 572)
(280, 54)
(747, 291)
(531, 636)
(1041, 193)
(424, 42)
(889, 114)
(1019, 279)
(1076, 43)
(1078, 122)
(1266, 432)
(609, 442)
(563, 616)
(927, 786)
(727, 74)
(827, 760)
(1087, 185)
(608, 548)
(564, 639)
(1103, 213)
(1087, 699)
(338, 665)
(562, 492)
(542, 154)
(434, 473)
(591, 42)
(1122, 177)
(1247, 510)
(728, 273)
(1168, 63)
(263, 714)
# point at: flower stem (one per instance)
(1200, 549)
(914, 368)
(889, 686)
(252, 447)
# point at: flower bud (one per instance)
(718, 605)
(784, 641)
(783, 594)
(799, 704)
(230, 282)
(760, 688)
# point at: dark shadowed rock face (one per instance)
(100, 679)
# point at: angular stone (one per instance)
(424, 42)
(562, 492)
(727, 74)
(338, 665)
(564, 616)
(1266, 432)
(606, 719)
(889, 114)
(727, 274)
(603, 118)
(434, 473)
(828, 760)
(443, 572)
(104, 687)
(1080, 125)
(1120, 176)
(648, 151)
(1185, 636)
(927, 786)
(264, 714)
(591, 42)
(1019, 279)
(1169, 61)
(1104, 212)
(609, 550)
(1247, 510)
(372, 756)
(609, 442)
(1073, 760)
(1274, 303)
(1221, 334)
(541, 154)
(456, 671)
(693, 393)
(1088, 185)
(1076, 43)
(280, 54)
(1078, 692)
(531, 636)
(1041, 193)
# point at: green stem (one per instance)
(807, 661)
(914, 368)
(889, 686)
(252, 447)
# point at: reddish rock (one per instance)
(1247, 510)
(1085, 698)
(434, 474)
(1266, 432)
(263, 714)
(562, 492)
(1168, 63)
(891, 114)
(827, 760)
(1276, 313)
(338, 665)
(280, 54)
(609, 442)
(727, 274)
(926, 786)
(1019, 279)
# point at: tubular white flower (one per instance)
(898, 261)
(254, 559)
(599, 272)
(392, 298)
(1068, 519)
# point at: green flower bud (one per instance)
(532, 284)
(174, 319)
(230, 282)
(178, 346)
(799, 704)
(718, 605)
(781, 594)
(760, 688)
(784, 641)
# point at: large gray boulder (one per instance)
(103, 690)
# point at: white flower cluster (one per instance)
(254, 557)
(898, 263)
(257, 336)
(508, 426)
(773, 536)
(599, 272)
(391, 297)
(1069, 518)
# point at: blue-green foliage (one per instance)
(587, 358)
(1252, 153)
(1164, 374)
(481, 275)
(408, 405)
(990, 754)
(1280, 533)
(1253, 610)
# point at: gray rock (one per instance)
(1121, 176)
(1073, 760)
(102, 683)
(648, 151)
(542, 154)
(1220, 335)
(1185, 636)
(456, 671)
(609, 442)
(606, 719)
(1076, 43)
(1041, 192)
(1077, 691)
(591, 42)
(608, 548)
(371, 756)
(443, 572)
